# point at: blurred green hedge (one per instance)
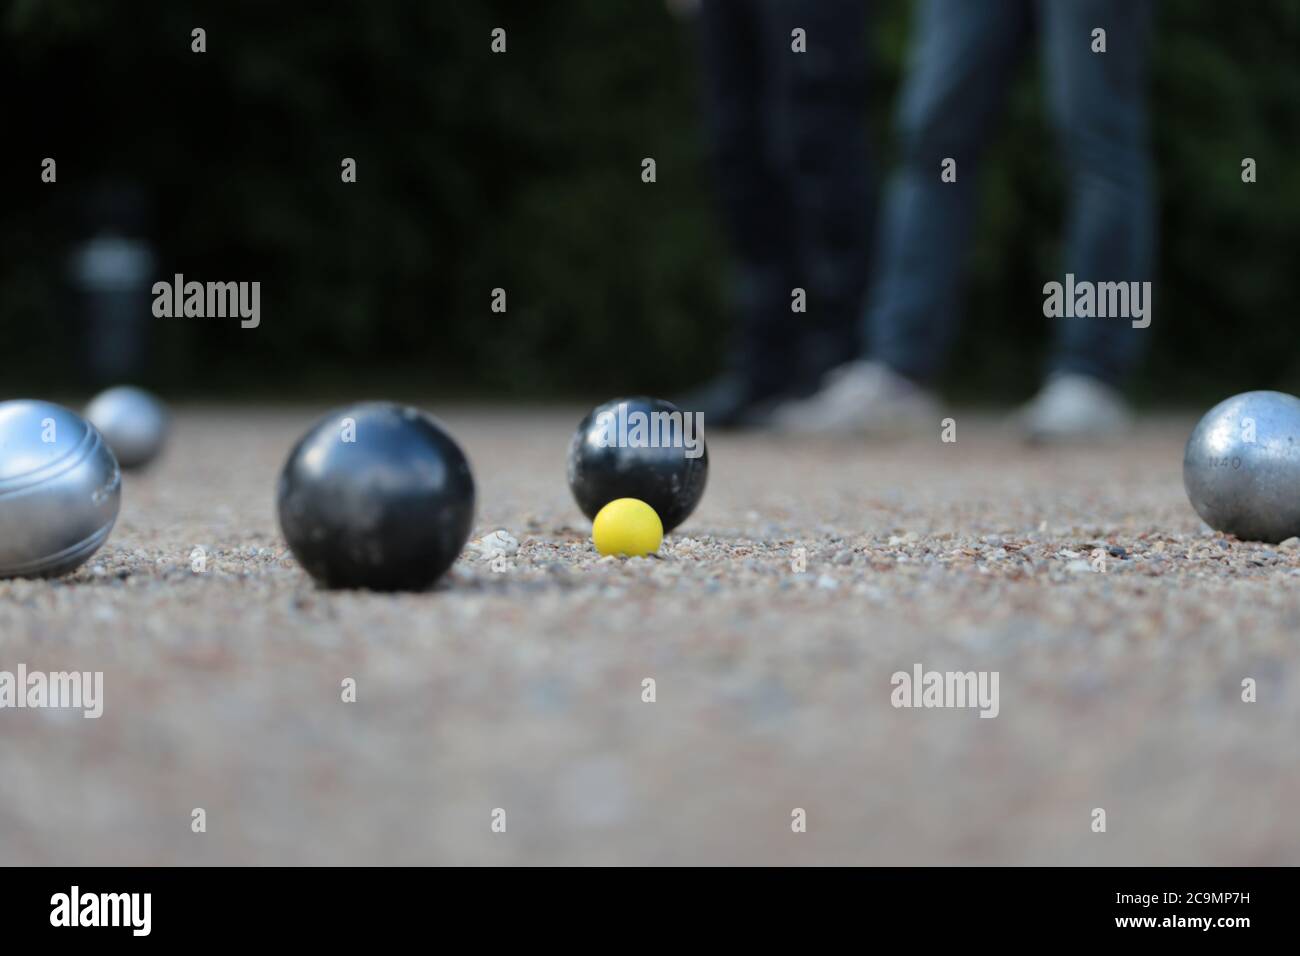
(521, 171)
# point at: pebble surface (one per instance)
(770, 622)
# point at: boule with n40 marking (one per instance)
(1241, 467)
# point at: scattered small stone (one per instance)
(499, 543)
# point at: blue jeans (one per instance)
(962, 63)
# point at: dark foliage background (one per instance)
(523, 171)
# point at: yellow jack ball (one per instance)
(627, 526)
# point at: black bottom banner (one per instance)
(339, 905)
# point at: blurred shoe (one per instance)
(731, 401)
(1071, 407)
(862, 397)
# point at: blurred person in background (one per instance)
(111, 271)
(788, 137)
(962, 62)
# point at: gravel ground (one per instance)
(521, 689)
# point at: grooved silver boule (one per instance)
(133, 422)
(1241, 467)
(60, 488)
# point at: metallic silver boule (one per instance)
(1241, 467)
(133, 422)
(59, 489)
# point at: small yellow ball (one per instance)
(627, 526)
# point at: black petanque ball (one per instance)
(669, 478)
(376, 496)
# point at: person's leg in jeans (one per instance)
(961, 63)
(743, 87)
(828, 166)
(1099, 105)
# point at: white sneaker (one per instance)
(1071, 407)
(861, 397)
